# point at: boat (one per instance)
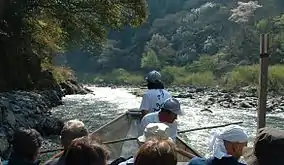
(121, 134)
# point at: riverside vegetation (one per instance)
(234, 80)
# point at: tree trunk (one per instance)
(2, 7)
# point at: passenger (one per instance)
(156, 152)
(154, 98)
(72, 129)
(268, 148)
(26, 144)
(227, 147)
(159, 130)
(156, 130)
(168, 115)
(86, 151)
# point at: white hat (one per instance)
(159, 130)
(233, 133)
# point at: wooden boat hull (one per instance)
(126, 126)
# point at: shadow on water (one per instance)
(92, 114)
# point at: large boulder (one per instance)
(70, 87)
(48, 82)
(29, 110)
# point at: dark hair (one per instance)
(157, 85)
(86, 151)
(166, 111)
(156, 152)
(26, 143)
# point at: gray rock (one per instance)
(207, 110)
(245, 105)
(211, 99)
(29, 110)
(72, 87)
(226, 105)
(10, 118)
(184, 95)
(4, 145)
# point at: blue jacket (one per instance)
(214, 161)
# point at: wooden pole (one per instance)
(263, 74)
(210, 127)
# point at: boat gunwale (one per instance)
(110, 122)
(196, 153)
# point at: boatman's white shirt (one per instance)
(154, 118)
(153, 99)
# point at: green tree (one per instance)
(39, 29)
(205, 63)
(150, 61)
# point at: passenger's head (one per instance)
(268, 148)
(158, 130)
(170, 110)
(72, 129)
(230, 141)
(154, 80)
(156, 151)
(26, 144)
(86, 151)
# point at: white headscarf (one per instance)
(232, 133)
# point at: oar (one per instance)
(210, 127)
(134, 138)
(120, 140)
(52, 150)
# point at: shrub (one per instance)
(276, 78)
(170, 73)
(180, 76)
(241, 76)
(117, 76)
(62, 73)
(197, 79)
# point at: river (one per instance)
(107, 103)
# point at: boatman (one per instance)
(156, 95)
(227, 147)
(168, 115)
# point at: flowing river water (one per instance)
(106, 103)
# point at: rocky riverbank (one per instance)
(31, 109)
(245, 98)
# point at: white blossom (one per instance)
(244, 11)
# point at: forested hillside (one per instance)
(34, 31)
(213, 38)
